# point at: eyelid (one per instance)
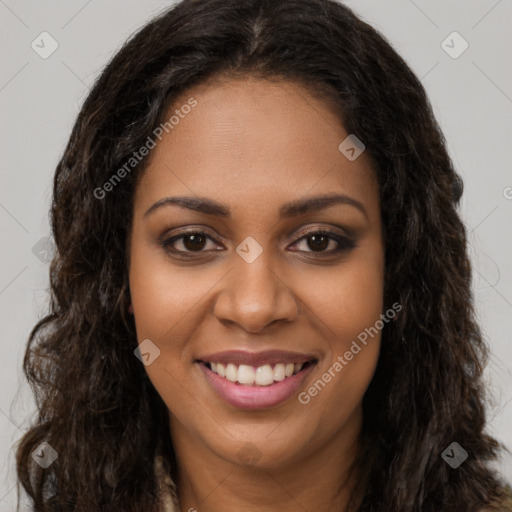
(322, 229)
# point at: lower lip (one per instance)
(255, 397)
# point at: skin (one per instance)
(254, 145)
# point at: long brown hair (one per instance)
(96, 405)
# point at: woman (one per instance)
(261, 292)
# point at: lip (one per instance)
(255, 397)
(256, 359)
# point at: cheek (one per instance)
(349, 298)
(162, 304)
(348, 305)
(164, 297)
(164, 311)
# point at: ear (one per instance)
(130, 309)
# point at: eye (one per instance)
(191, 241)
(318, 240)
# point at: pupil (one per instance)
(318, 242)
(196, 242)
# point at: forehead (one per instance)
(251, 139)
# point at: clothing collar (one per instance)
(167, 488)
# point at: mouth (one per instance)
(265, 375)
(248, 386)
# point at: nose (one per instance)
(253, 296)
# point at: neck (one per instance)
(319, 479)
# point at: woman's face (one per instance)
(253, 281)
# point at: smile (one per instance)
(249, 387)
(264, 375)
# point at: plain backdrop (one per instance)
(40, 98)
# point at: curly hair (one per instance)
(96, 405)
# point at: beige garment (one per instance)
(170, 498)
(167, 489)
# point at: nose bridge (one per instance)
(254, 295)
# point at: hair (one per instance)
(96, 405)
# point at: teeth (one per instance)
(261, 376)
(245, 374)
(231, 372)
(279, 372)
(264, 375)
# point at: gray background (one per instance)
(40, 98)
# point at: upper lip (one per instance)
(238, 357)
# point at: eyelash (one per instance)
(344, 243)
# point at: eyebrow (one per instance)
(287, 210)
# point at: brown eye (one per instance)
(193, 241)
(318, 241)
